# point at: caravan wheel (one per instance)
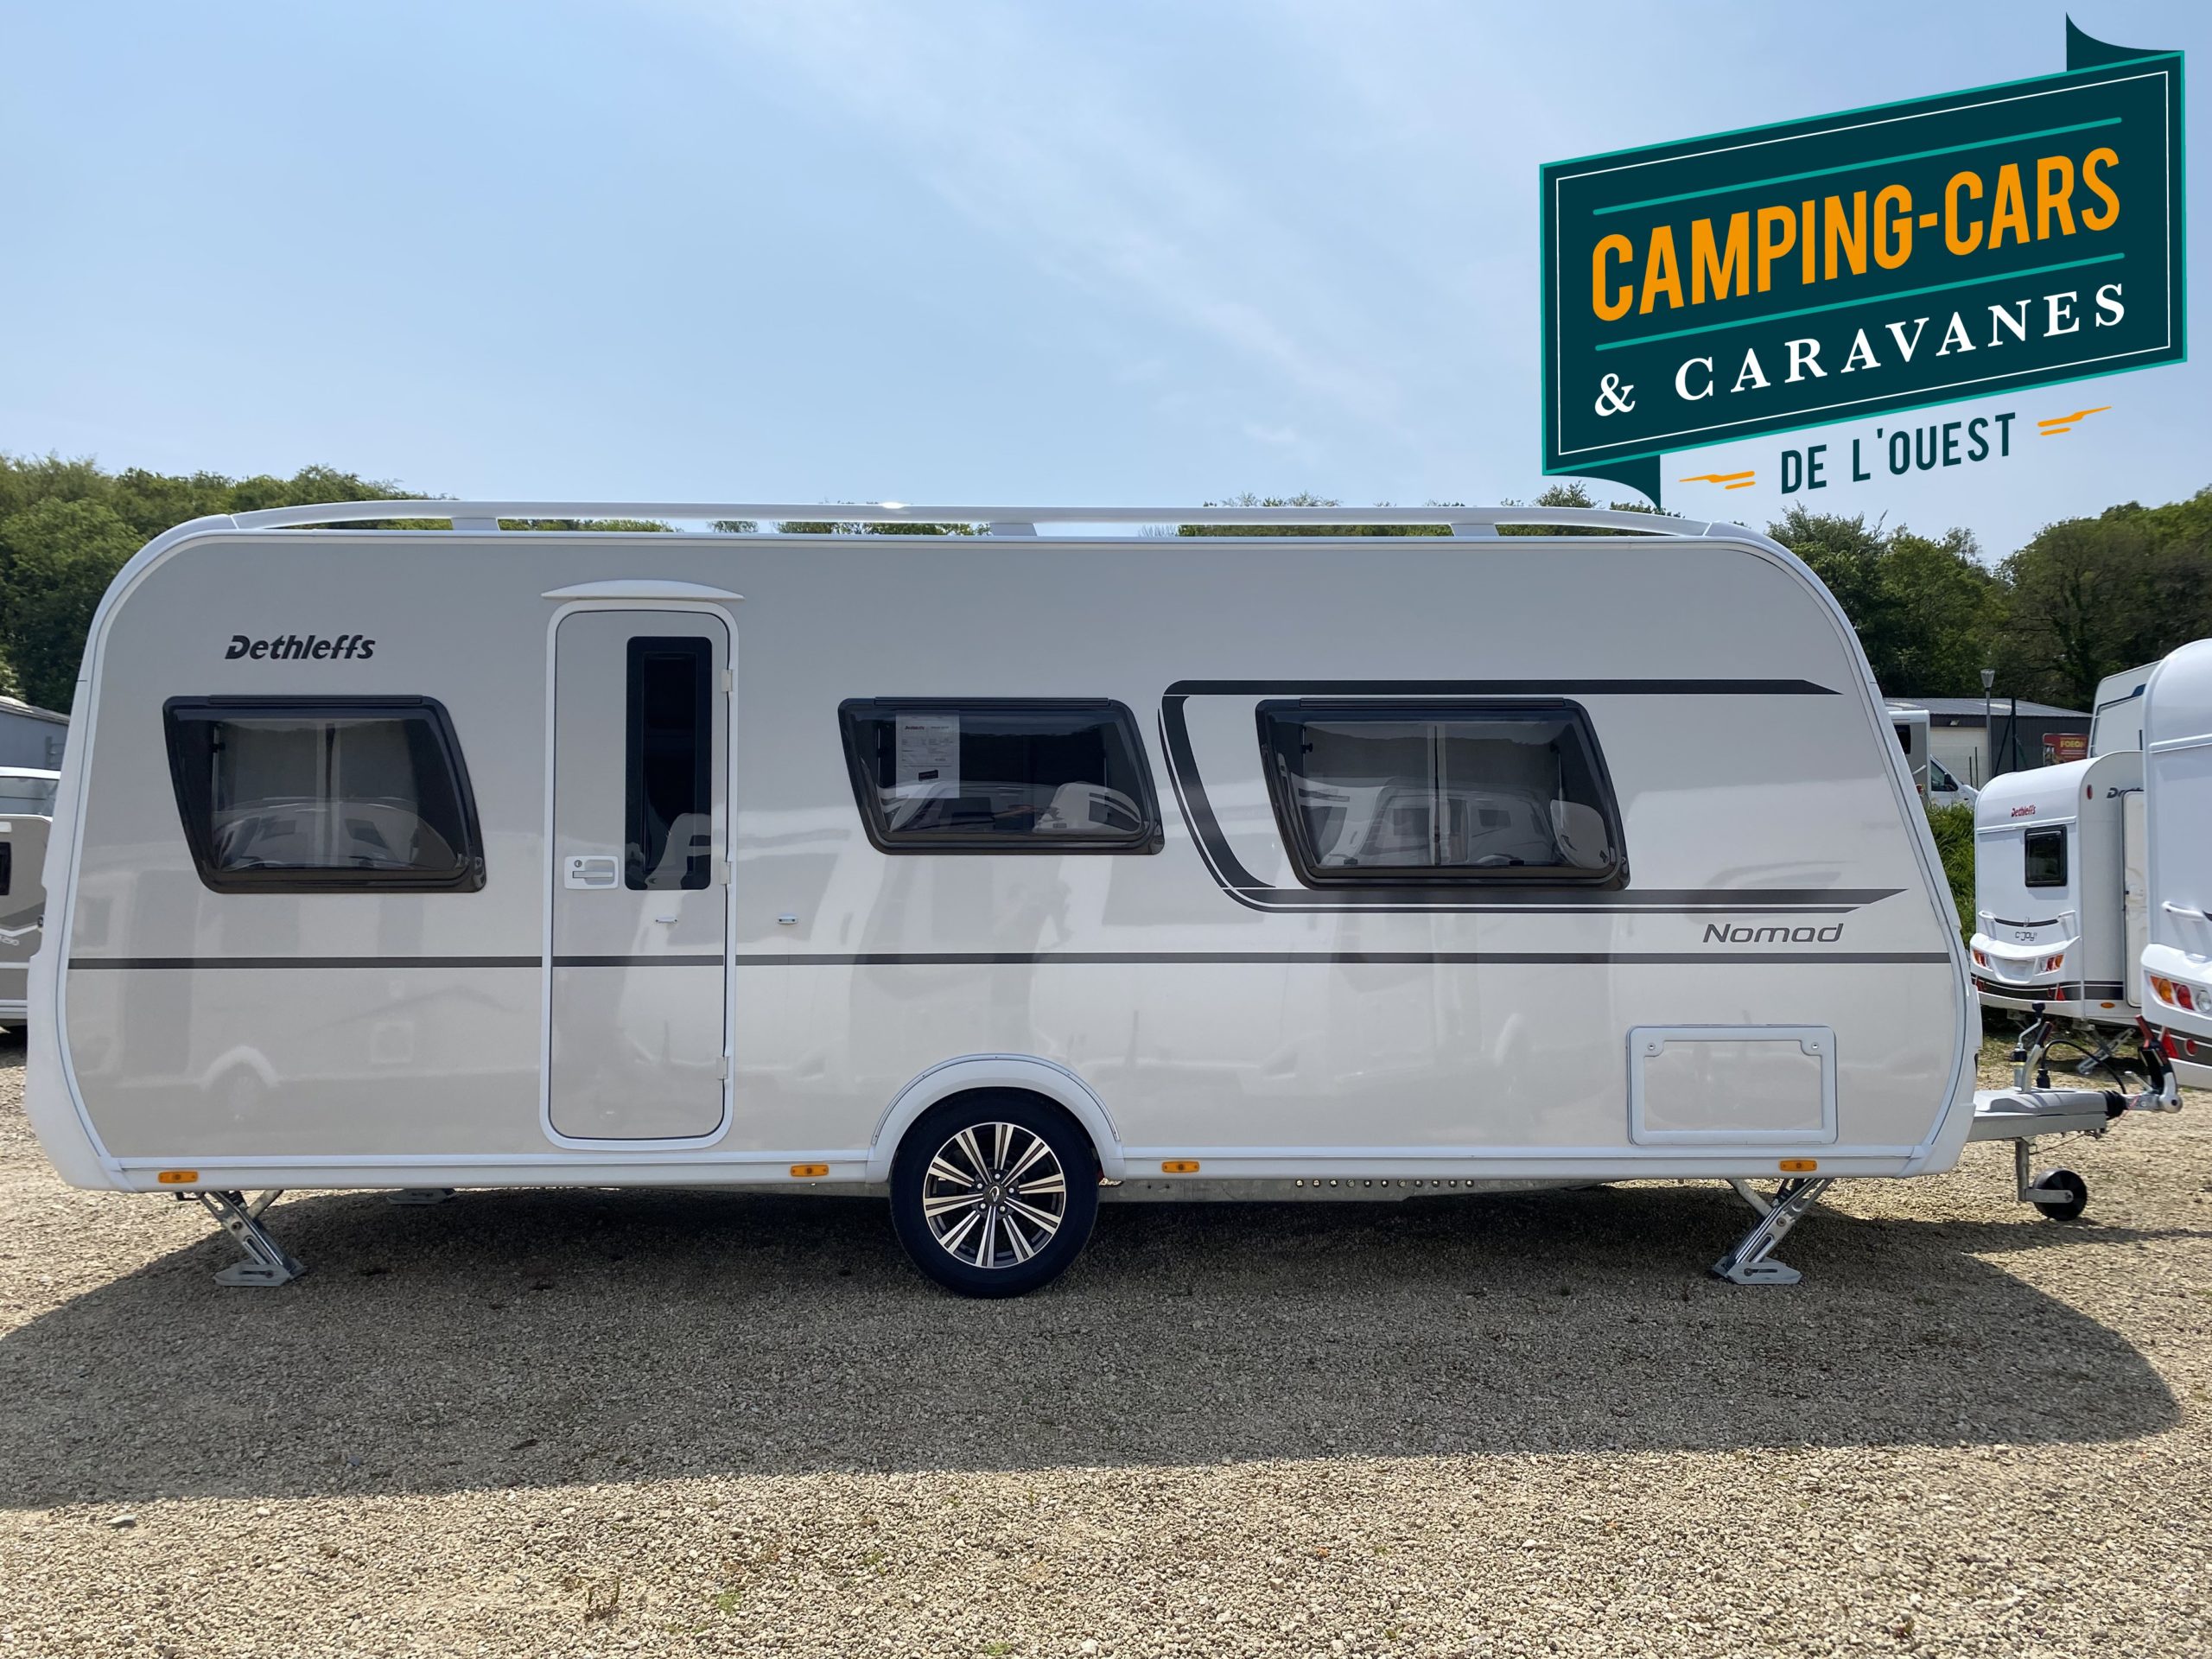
(993, 1194)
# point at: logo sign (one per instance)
(1785, 276)
(2059, 747)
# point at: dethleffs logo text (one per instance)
(292, 647)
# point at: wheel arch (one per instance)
(971, 1072)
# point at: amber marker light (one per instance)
(807, 1172)
(1798, 1165)
(177, 1177)
(1179, 1167)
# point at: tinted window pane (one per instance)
(1008, 777)
(1473, 794)
(31, 797)
(671, 764)
(7, 867)
(2046, 856)
(304, 790)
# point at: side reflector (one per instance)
(806, 1172)
(1798, 1165)
(1179, 1167)
(177, 1177)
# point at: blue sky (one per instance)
(934, 252)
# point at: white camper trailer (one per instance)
(996, 873)
(1910, 725)
(2176, 957)
(2116, 717)
(26, 814)
(2058, 897)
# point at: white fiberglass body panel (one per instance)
(1776, 870)
(2178, 809)
(2051, 890)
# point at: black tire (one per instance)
(2070, 1195)
(994, 1245)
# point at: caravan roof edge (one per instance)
(483, 516)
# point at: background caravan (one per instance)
(2059, 889)
(26, 814)
(2176, 957)
(1910, 725)
(995, 873)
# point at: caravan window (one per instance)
(2046, 856)
(33, 797)
(669, 792)
(1000, 776)
(313, 795)
(1380, 791)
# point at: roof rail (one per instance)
(479, 516)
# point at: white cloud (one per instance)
(1079, 170)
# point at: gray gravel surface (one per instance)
(678, 1422)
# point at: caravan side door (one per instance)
(637, 962)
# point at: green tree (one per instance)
(59, 555)
(2091, 596)
(1926, 609)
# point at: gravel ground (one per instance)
(615, 1422)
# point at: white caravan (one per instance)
(995, 874)
(2177, 957)
(2116, 717)
(2058, 882)
(1910, 724)
(26, 814)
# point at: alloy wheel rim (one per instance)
(995, 1195)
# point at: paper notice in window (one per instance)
(927, 751)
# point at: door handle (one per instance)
(664, 918)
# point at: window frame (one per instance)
(1148, 839)
(1272, 716)
(469, 878)
(2065, 861)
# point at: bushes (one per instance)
(1953, 828)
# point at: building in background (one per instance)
(31, 736)
(2021, 734)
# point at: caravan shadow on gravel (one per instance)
(540, 1337)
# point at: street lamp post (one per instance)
(1988, 750)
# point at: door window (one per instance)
(670, 764)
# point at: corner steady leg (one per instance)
(1747, 1264)
(267, 1262)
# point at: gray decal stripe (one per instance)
(1240, 884)
(89, 963)
(2096, 991)
(1498, 689)
(695, 959)
(1042, 958)
(1388, 958)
